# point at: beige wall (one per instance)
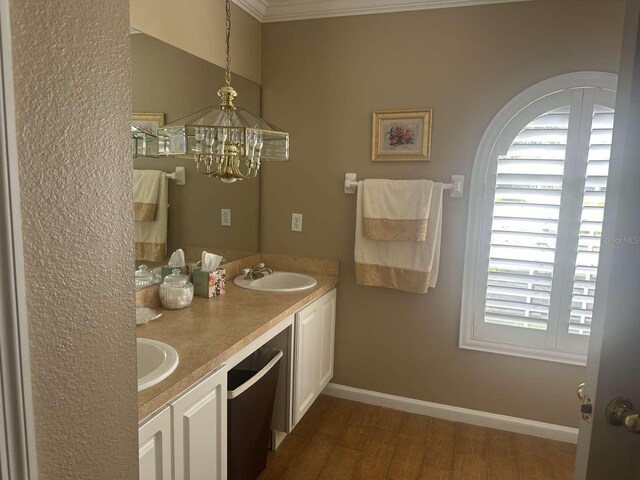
(321, 80)
(198, 27)
(168, 80)
(71, 74)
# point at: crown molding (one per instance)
(268, 11)
(256, 8)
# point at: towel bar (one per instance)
(179, 176)
(456, 186)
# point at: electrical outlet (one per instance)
(225, 217)
(296, 222)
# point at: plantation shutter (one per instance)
(525, 223)
(544, 223)
(591, 219)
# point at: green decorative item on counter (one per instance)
(209, 284)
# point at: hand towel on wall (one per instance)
(151, 237)
(402, 265)
(396, 209)
(146, 184)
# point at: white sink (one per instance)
(278, 282)
(156, 361)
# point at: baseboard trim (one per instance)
(455, 414)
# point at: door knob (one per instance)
(586, 409)
(620, 412)
(580, 392)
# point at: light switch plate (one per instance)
(225, 217)
(296, 222)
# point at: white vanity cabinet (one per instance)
(154, 447)
(314, 342)
(187, 439)
(199, 418)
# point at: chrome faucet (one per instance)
(257, 271)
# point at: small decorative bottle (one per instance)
(176, 292)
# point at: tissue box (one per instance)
(209, 284)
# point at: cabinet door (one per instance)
(326, 336)
(154, 447)
(200, 430)
(306, 366)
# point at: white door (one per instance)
(154, 447)
(200, 430)
(613, 367)
(327, 319)
(305, 365)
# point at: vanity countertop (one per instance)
(210, 331)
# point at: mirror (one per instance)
(166, 80)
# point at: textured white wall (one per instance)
(71, 73)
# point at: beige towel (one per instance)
(396, 209)
(146, 184)
(403, 265)
(151, 237)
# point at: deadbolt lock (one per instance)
(620, 412)
(586, 409)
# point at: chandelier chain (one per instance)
(227, 73)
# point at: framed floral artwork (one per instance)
(148, 121)
(401, 135)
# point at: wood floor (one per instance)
(340, 439)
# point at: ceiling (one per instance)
(285, 10)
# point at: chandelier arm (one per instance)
(250, 172)
(236, 168)
(208, 172)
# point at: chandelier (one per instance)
(226, 141)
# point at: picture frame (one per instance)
(144, 134)
(149, 122)
(401, 136)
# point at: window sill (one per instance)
(569, 358)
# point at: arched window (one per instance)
(535, 220)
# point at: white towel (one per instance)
(396, 209)
(151, 237)
(403, 265)
(146, 184)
